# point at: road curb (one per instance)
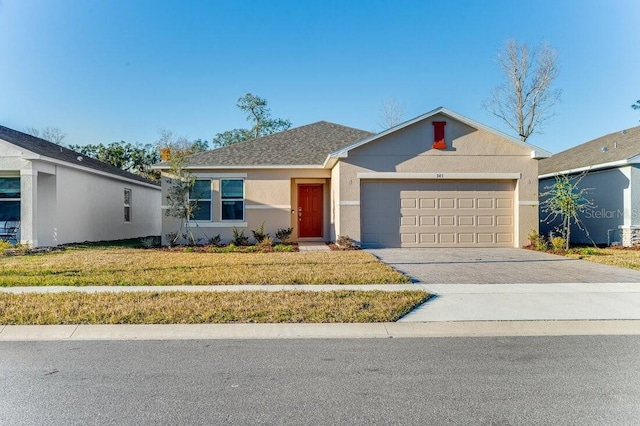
(317, 331)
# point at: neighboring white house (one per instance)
(60, 196)
(612, 180)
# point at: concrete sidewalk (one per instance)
(460, 302)
(529, 302)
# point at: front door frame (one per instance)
(301, 214)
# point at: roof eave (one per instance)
(248, 166)
(612, 164)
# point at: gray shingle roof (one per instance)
(606, 149)
(48, 149)
(305, 145)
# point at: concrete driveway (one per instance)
(498, 266)
(508, 284)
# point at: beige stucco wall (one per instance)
(468, 151)
(270, 198)
(335, 202)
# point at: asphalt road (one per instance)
(483, 381)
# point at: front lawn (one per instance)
(207, 307)
(622, 257)
(129, 266)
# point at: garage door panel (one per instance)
(466, 238)
(504, 220)
(447, 238)
(485, 238)
(428, 238)
(466, 203)
(408, 203)
(427, 203)
(437, 213)
(466, 220)
(485, 203)
(506, 238)
(447, 203)
(504, 203)
(408, 221)
(427, 220)
(447, 220)
(485, 220)
(408, 238)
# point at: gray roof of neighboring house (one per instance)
(618, 146)
(304, 146)
(48, 149)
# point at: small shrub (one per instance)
(239, 239)
(189, 249)
(149, 242)
(284, 234)
(5, 245)
(266, 242)
(590, 251)
(259, 234)
(22, 248)
(537, 241)
(215, 241)
(282, 247)
(558, 243)
(533, 237)
(345, 242)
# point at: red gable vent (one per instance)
(438, 135)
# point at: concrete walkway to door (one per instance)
(508, 284)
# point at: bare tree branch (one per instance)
(525, 98)
(391, 113)
(51, 134)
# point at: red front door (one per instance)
(310, 210)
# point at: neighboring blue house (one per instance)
(611, 164)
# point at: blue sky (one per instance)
(105, 71)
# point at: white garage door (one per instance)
(437, 213)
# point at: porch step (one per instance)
(313, 246)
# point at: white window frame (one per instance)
(210, 200)
(244, 212)
(128, 205)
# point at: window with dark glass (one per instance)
(200, 198)
(9, 198)
(127, 205)
(232, 199)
